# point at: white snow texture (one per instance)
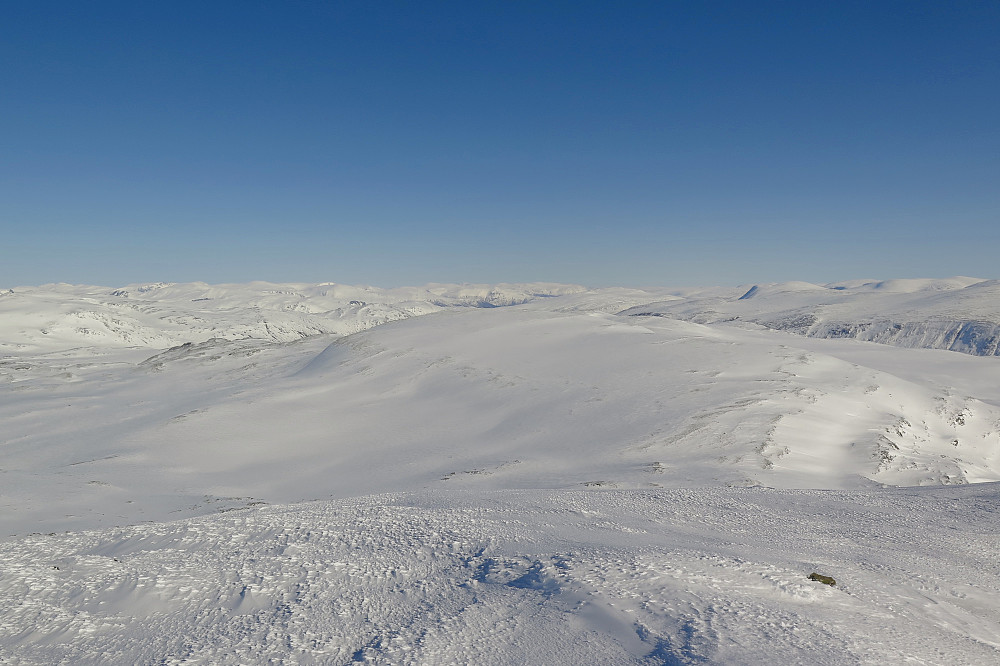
(500, 474)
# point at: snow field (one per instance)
(498, 577)
(483, 398)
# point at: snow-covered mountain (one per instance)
(498, 474)
(160, 315)
(958, 314)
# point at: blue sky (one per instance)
(660, 143)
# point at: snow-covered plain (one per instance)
(534, 473)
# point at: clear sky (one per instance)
(601, 143)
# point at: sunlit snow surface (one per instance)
(498, 474)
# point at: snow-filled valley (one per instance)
(500, 474)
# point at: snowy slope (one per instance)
(958, 314)
(516, 475)
(487, 398)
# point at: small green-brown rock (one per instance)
(826, 580)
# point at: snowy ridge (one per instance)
(958, 314)
(980, 338)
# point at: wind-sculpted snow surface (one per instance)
(517, 475)
(710, 576)
(960, 314)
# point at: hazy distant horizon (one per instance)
(435, 283)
